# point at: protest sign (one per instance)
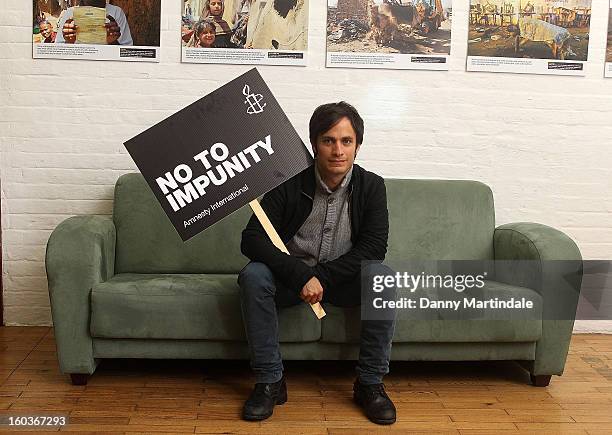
(214, 156)
(219, 154)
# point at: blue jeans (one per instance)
(261, 294)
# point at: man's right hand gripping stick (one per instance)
(275, 238)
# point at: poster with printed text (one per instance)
(126, 30)
(609, 45)
(395, 34)
(216, 155)
(529, 36)
(256, 32)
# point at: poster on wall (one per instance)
(609, 46)
(396, 34)
(256, 32)
(127, 30)
(529, 36)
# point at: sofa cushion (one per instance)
(184, 306)
(148, 243)
(343, 324)
(429, 219)
(439, 220)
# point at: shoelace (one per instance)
(375, 390)
(261, 388)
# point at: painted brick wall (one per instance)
(542, 143)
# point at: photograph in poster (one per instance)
(127, 30)
(609, 45)
(529, 36)
(218, 154)
(256, 32)
(395, 34)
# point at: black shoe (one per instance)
(260, 403)
(375, 402)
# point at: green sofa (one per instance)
(126, 286)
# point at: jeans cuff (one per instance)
(268, 378)
(369, 379)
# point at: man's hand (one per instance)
(69, 31)
(112, 31)
(312, 292)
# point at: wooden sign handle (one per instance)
(275, 238)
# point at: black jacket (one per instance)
(288, 206)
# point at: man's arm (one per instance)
(257, 246)
(370, 245)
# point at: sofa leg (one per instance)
(540, 380)
(79, 378)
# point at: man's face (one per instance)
(336, 149)
(216, 6)
(46, 30)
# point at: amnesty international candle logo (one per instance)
(253, 100)
(209, 159)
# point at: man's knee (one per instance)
(255, 277)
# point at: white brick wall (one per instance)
(542, 143)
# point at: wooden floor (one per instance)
(186, 396)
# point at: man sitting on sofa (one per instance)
(332, 216)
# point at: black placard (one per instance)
(238, 132)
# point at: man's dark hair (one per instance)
(328, 115)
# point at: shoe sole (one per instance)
(280, 401)
(383, 422)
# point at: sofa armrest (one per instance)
(80, 254)
(554, 270)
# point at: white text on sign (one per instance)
(227, 167)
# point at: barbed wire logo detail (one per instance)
(253, 100)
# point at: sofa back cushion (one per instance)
(439, 220)
(148, 243)
(429, 219)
